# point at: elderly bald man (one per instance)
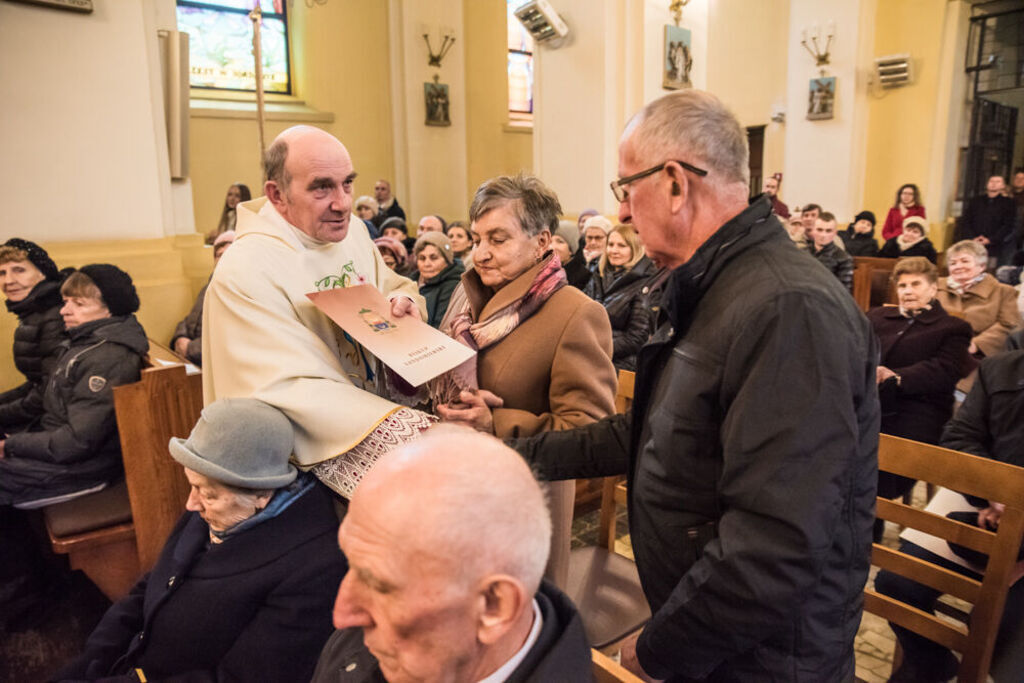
(447, 540)
(264, 339)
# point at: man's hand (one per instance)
(627, 657)
(181, 346)
(990, 516)
(883, 373)
(2, 444)
(982, 239)
(589, 256)
(973, 348)
(473, 410)
(402, 306)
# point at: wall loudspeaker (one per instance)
(543, 22)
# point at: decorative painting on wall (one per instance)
(677, 59)
(435, 96)
(821, 98)
(73, 5)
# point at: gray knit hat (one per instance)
(437, 239)
(568, 231)
(240, 442)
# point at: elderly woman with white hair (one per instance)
(989, 306)
(368, 209)
(242, 590)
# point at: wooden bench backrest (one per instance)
(624, 394)
(166, 402)
(871, 286)
(964, 473)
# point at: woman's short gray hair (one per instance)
(696, 127)
(368, 201)
(975, 249)
(534, 204)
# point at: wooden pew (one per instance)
(871, 285)
(965, 473)
(115, 535)
(607, 670)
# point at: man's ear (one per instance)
(503, 599)
(273, 193)
(680, 188)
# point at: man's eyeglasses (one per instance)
(619, 186)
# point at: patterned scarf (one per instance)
(480, 334)
(959, 289)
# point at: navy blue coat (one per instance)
(254, 608)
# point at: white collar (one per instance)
(506, 669)
(270, 213)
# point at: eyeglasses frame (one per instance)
(619, 185)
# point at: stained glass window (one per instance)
(220, 44)
(520, 66)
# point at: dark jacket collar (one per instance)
(935, 313)
(686, 285)
(643, 269)
(561, 652)
(124, 330)
(452, 271)
(44, 295)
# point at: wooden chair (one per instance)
(980, 477)
(607, 670)
(871, 281)
(604, 585)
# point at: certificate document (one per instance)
(407, 345)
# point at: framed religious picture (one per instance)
(821, 98)
(435, 96)
(73, 5)
(677, 59)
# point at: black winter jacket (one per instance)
(836, 260)
(629, 299)
(891, 249)
(561, 653)
(577, 270)
(38, 343)
(75, 445)
(929, 353)
(256, 607)
(859, 244)
(751, 458)
(438, 291)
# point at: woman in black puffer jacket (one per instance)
(30, 282)
(625, 284)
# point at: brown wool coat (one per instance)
(554, 372)
(991, 309)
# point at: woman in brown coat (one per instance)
(989, 306)
(544, 357)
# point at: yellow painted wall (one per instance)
(340, 65)
(491, 149)
(902, 121)
(747, 54)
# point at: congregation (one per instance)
(751, 521)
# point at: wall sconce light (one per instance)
(821, 55)
(446, 44)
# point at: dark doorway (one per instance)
(755, 139)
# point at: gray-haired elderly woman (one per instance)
(544, 349)
(244, 585)
(989, 306)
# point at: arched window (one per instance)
(220, 44)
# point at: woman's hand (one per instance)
(402, 306)
(883, 373)
(473, 410)
(181, 346)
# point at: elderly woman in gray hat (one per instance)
(244, 585)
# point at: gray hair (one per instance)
(369, 201)
(274, 166)
(975, 249)
(693, 126)
(534, 204)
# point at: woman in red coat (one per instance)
(908, 203)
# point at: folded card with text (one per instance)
(407, 345)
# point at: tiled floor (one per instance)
(874, 643)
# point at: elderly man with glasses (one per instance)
(751, 447)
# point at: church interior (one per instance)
(121, 140)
